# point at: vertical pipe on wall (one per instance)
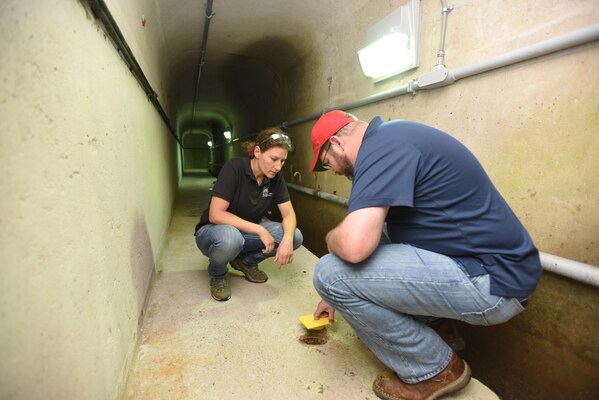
(207, 19)
(445, 10)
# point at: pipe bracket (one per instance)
(412, 87)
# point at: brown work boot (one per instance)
(448, 331)
(251, 272)
(220, 289)
(453, 378)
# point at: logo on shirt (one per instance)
(265, 193)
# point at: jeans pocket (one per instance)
(502, 311)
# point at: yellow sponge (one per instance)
(311, 323)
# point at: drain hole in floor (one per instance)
(315, 337)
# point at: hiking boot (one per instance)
(453, 378)
(251, 272)
(219, 289)
(448, 331)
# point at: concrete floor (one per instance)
(192, 347)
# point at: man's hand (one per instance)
(323, 309)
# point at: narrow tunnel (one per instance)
(117, 118)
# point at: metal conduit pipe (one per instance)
(572, 269)
(102, 12)
(445, 10)
(585, 273)
(388, 94)
(444, 77)
(563, 42)
(323, 195)
(207, 19)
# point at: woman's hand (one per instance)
(267, 240)
(284, 252)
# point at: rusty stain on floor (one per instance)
(314, 337)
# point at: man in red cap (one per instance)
(452, 249)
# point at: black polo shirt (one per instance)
(237, 184)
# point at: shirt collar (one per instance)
(373, 125)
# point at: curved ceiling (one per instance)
(250, 45)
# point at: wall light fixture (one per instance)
(391, 45)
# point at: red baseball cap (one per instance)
(326, 126)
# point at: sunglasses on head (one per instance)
(277, 137)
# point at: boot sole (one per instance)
(456, 385)
(219, 298)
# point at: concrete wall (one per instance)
(533, 126)
(87, 177)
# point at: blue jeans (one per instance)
(223, 243)
(388, 297)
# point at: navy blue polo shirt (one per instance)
(237, 184)
(442, 200)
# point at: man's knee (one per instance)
(229, 239)
(325, 272)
